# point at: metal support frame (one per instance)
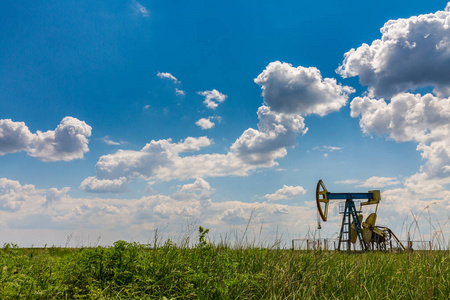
(376, 236)
(344, 236)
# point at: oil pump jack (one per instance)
(353, 228)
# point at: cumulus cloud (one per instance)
(286, 192)
(157, 159)
(379, 182)
(54, 196)
(161, 160)
(13, 195)
(212, 98)
(411, 53)
(301, 90)
(422, 201)
(408, 117)
(169, 76)
(25, 206)
(67, 142)
(276, 131)
(426, 121)
(437, 155)
(348, 181)
(199, 190)
(417, 201)
(415, 205)
(191, 203)
(199, 184)
(190, 144)
(136, 163)
(205, 123)
(374, 182)
(165, 160)
(94, 185)
(14, 136)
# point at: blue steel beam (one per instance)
(335, 196)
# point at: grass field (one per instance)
(131, 270)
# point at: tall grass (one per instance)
(206, 271)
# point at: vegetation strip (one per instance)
(132, 270)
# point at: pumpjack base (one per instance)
(350, 214)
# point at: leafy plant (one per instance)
(202, 242)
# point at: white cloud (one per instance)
(301, 90)
(255, 148)
(13, 195)
(327, 150)
(419, 196)
(169, 76)
(205, 123)
(54, 196)
(408, 117)
(199, 184)
(165, 75)
(212, 98)
(379, 182)
(276, 131)
(286, 192)
(140, 8)
(348, 181)
(437, 155)
(107, 140)
(200, 190)
(93, 185)
(161, 159)
(53, 211)
(191, 203)
(425, 199)
(331, 148)
(191, 144)
(14, 136)
(204, 165)
(158, 159)
(411, 53)
(180, 92)
(67, 142)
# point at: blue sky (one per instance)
(120, 117)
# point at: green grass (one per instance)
(131, 270)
